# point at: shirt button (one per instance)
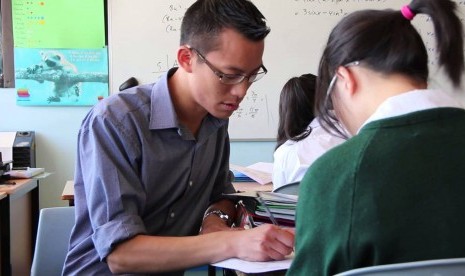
(172, 215)
(190, 183)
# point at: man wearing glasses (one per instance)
(153, 161)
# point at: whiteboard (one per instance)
(143, 37)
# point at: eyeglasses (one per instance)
(232, 78)
(334, 79)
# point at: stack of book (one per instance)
(241, 177)
(259, 172)
(256, 208)
(281, 207)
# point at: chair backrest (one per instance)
(290, 189)
(53, 235)
(442, 267)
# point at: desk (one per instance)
(19, 214)
(68, 191)
(252, 186)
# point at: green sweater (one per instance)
(393, 193)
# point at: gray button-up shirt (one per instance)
(139, 171)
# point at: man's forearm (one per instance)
(143, 254)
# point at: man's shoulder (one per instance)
(124, 108)
(125, 101)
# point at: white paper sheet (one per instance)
(7, 140)
(260, 175)
(262, 166)
(255, 267)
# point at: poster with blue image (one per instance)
(63, 77)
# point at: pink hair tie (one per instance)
(407, 12)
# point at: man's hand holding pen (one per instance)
(266, 242)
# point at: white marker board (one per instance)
(144, 35)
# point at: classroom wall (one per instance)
(56, 136)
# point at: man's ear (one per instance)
(185, 58)
(346, 80)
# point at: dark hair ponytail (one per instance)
(385, 41)
(296, 103)
(449, 34)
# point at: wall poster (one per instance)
(60, 53)
(61, 76)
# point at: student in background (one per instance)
(301, 139)
(153, 160)
(395, 191)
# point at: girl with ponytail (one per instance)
(394, 191)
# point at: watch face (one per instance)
(222, 215)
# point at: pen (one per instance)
(246, 220)
(262, 202)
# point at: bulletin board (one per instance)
(143, 36)
(60, 54)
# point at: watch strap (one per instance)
(222, 215)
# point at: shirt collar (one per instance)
(162, 110)
(412, 101)
(163, 114)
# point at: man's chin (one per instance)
(222, 115)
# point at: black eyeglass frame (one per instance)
(330, 88)
(232, 79)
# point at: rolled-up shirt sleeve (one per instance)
(115, 196)
(224, 184)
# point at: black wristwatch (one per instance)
(222, 215)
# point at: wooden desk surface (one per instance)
(20, 184)
(252, 186)
(68, 191)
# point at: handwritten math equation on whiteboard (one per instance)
(253, 106)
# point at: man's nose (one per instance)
(240, 90)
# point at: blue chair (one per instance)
(53, 235)
(441, 267)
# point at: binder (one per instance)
(250, 213)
